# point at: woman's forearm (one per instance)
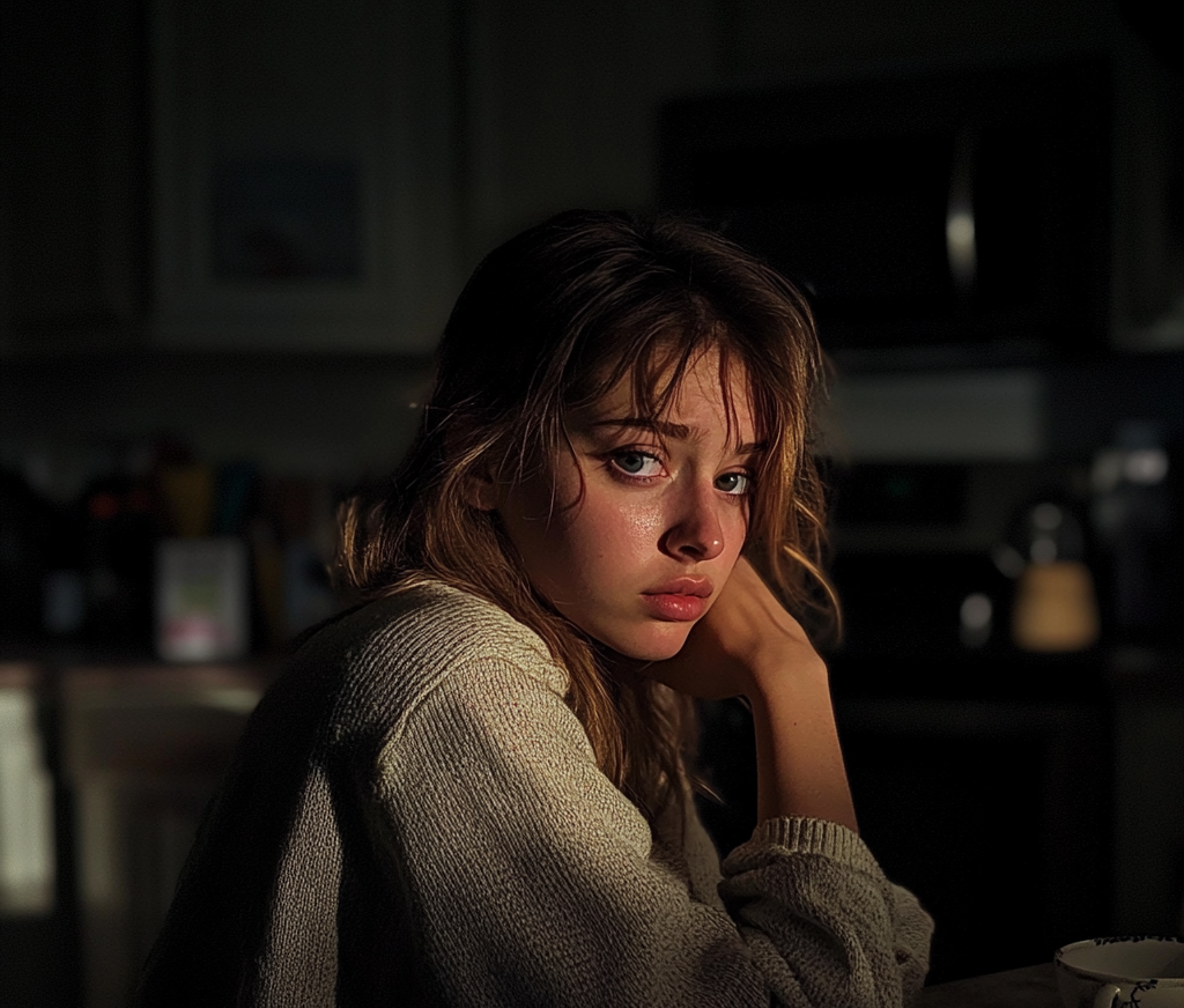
(800, 768)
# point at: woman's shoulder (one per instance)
(433, 620)
(389, 653)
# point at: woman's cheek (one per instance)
(642, 522)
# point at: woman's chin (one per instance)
(651, 646)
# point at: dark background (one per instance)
(154, 307)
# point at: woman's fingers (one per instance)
(745, 635)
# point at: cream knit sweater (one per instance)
(415, 817)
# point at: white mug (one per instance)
(1134, 971)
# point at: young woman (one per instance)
(474, 788)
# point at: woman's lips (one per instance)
(675, 608)
(680, 600)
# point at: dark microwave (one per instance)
(958, 215)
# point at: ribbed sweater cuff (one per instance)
(813, 836)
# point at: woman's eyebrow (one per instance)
(663, 427)
(673, 431)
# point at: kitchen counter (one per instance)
(1029, 987)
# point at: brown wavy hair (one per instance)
(554, 319)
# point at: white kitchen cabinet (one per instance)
(27, 859)
(303, 174)
(144, 751)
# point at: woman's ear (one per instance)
(480, 489)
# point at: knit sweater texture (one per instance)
(415, 817)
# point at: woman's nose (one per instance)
(696, 533)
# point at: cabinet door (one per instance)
(72, 183)
(1149, 811)
(145, 749)
(303, 174)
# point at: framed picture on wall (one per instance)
(303, 177)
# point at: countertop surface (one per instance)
(1028, 987)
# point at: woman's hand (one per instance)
(746, 645)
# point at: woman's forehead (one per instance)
(709, 385)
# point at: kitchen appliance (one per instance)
(942, 216)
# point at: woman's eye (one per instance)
(636, 463)
(734, 483)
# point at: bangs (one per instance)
(655, 365)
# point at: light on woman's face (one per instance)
(646, 548)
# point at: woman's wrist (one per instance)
(783, 674)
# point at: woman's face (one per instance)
(663, 516)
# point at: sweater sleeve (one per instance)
(532, 880)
